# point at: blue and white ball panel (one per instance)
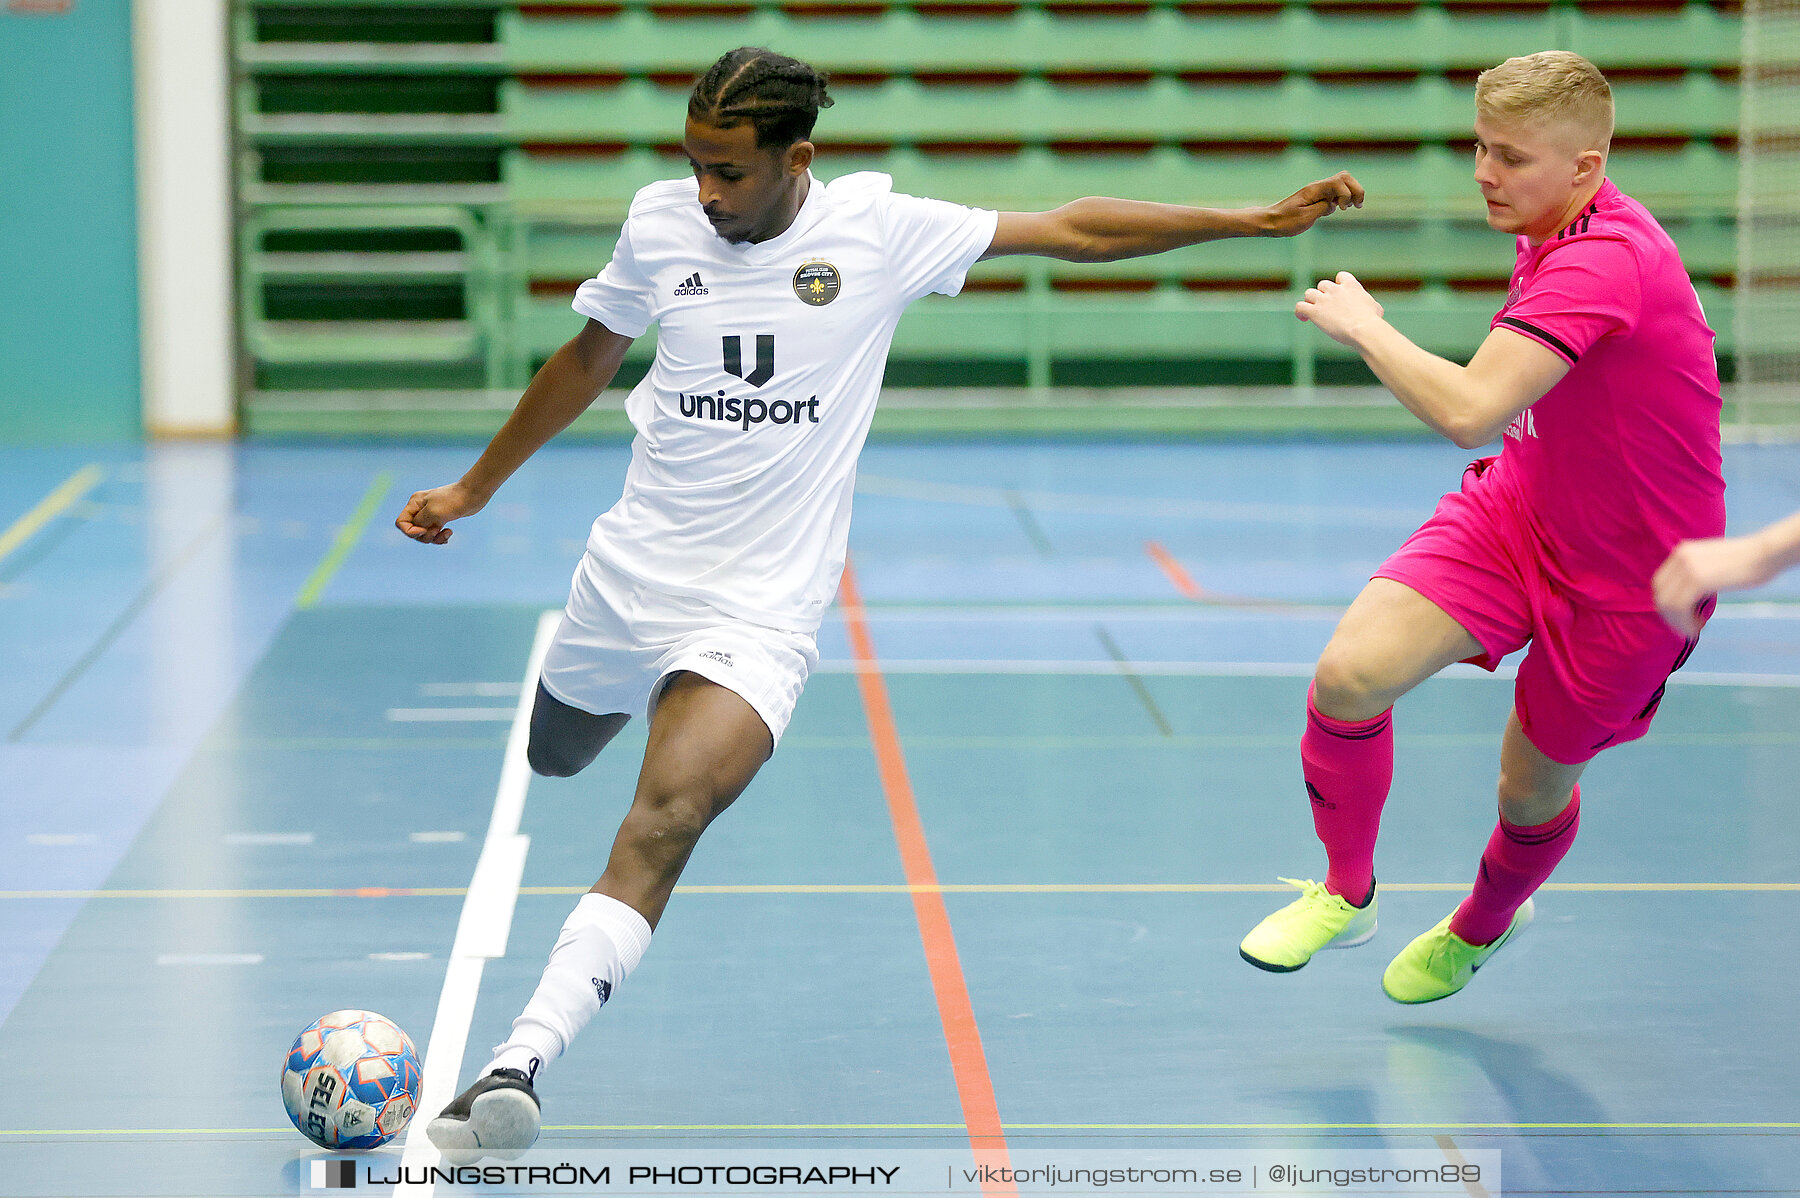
(351, 1080)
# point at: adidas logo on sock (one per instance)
(692, 286)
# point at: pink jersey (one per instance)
(1619, 460)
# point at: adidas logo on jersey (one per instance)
(692, 286)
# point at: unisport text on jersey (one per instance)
(745, 412)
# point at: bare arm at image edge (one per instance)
(1696, 569)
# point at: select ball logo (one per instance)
(351, 1080)
(817, 283)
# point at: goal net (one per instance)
(1768, 275)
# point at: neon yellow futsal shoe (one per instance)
(1440, 962)
(1317, 920)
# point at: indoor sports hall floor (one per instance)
(255, 743)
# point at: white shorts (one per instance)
(619, 642)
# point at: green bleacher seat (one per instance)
(1162, 110)
(331, 265)
(388, 58)
(1031, 41)
(1166, 40)
(1695, 36)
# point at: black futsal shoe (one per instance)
(498, 1116)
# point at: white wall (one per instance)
(184, 216)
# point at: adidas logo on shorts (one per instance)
(692, 286)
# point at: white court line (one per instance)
(1760, 609)
(482, 930)
(453, 715)
(1185, 611)
(1198, 669)
(466, 690)
(1194, 669)
(268, 838)
(1188, 611)
(209, 959)
(1724, 678)
(1136, 507)
(1235, 669)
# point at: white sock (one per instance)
(601, 943)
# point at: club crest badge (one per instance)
(817, 283)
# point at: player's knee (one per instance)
(1345, 687)
(1526, 802)
(670, 817)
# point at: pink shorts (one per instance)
(1592, 678)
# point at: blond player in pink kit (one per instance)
(1599, 371)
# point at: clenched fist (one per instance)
(428, 513)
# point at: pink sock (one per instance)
(1515, 863)
(1348, 766)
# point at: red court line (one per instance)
(1183, 581)
(974, 1086)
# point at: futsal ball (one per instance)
(351, 1080)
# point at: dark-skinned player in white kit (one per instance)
(697, 600)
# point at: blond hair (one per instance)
(1549, 87)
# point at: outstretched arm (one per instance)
(1102, 230)
(571, 380)
(1699, 568)
(1471, 405)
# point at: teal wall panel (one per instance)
(68, 226)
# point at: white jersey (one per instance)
(768, 364)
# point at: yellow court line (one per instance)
(940, 888)
(1249, 740)
(957, 1127)
(1181, 888)
(384, 744)
(347, 538)
(50, 507)
(295, 892)
(1404, 1126)
(1180, 1127)
(1035, 743)
(143, 1131)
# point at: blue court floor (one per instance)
(251, 741)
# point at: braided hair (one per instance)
(780, 96)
